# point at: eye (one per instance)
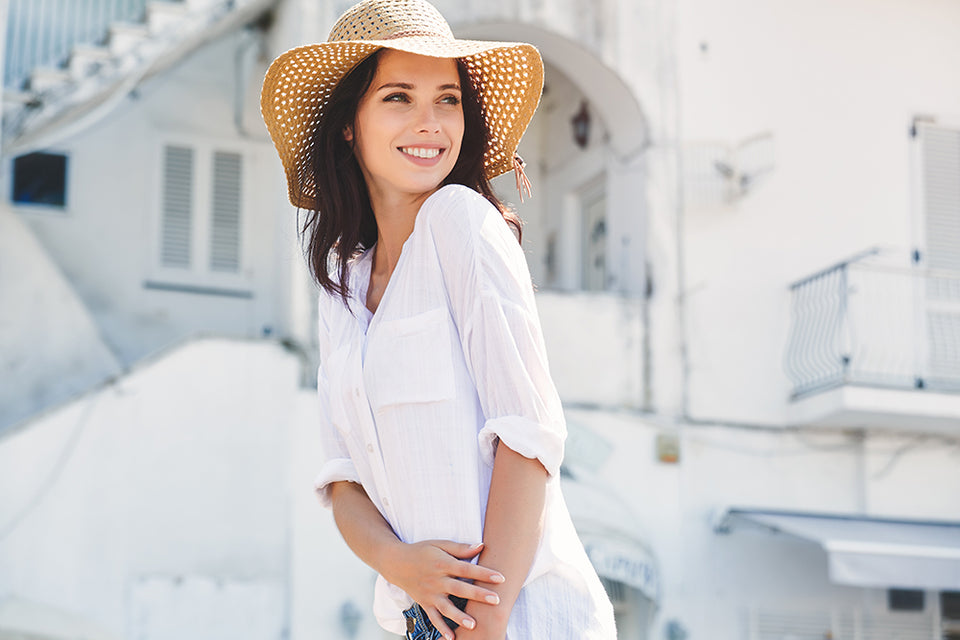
(396, 97)
(454, 100)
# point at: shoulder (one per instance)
(456, 204)
(472, 239)
(460, 216)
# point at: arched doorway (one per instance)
(585, 225)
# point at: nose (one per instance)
(427, 121)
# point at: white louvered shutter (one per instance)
(941, 196)
(940, 158)
(177, 207)
(225, 212)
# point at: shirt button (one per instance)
(386, 503)
(356, 392)
(370, 448)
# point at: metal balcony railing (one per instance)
(863, 323)
(42, 33)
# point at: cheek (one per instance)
(455, 131)
(369, 140)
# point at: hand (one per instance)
(430, 571)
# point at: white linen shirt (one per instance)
(414, 398)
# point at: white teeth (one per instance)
(420, 152)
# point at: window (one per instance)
(950, 614)
(593, 215)
(40, 178)
(904, 600)
(200, 230)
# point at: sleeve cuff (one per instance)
(335, 470)
(528, 438)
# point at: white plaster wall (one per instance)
(178, 469)
(837, 84)
(594, 344)
(106, 240)
(710, 582)
(50, 347)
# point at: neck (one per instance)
(395, 219)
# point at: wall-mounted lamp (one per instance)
(581, 126)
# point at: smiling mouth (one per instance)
(420, 152)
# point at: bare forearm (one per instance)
(511, 533)
(362, 526)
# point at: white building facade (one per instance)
(745, 237)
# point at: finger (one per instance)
(460, 550)
(438, 622)
(470, 571)
(473, 592)
(450, 610)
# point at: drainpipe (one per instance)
(670, 110)
(250, 36)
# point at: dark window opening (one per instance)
(40, 178)
(950, 614)
(950, 604)
(904, 600)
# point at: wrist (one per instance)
(489, 616)
(390, 559)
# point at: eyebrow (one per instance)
(410, 87)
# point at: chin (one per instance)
(428, 186)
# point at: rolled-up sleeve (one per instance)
(491, 297)
(336, 463)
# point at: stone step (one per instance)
(12, 97)
(124, 37)
(47, 78)
(162, 16)
(201, 5)
(86, 60)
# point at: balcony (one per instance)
(875, 345)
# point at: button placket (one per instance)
(368, 428)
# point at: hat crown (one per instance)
(387, 19)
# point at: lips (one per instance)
(426, 153)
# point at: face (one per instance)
(409, 125)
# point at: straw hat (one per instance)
(298, 84)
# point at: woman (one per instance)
(442, 429)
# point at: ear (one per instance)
(348, 133)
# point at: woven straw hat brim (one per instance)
(299, 82)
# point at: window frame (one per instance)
(199, 277)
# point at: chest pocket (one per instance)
(414, 363)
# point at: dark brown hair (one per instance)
(343, 223)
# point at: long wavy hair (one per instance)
(343, 224)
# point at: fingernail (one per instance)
(497, 578)
(493, 599)
(447, 636)
(468, 623)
